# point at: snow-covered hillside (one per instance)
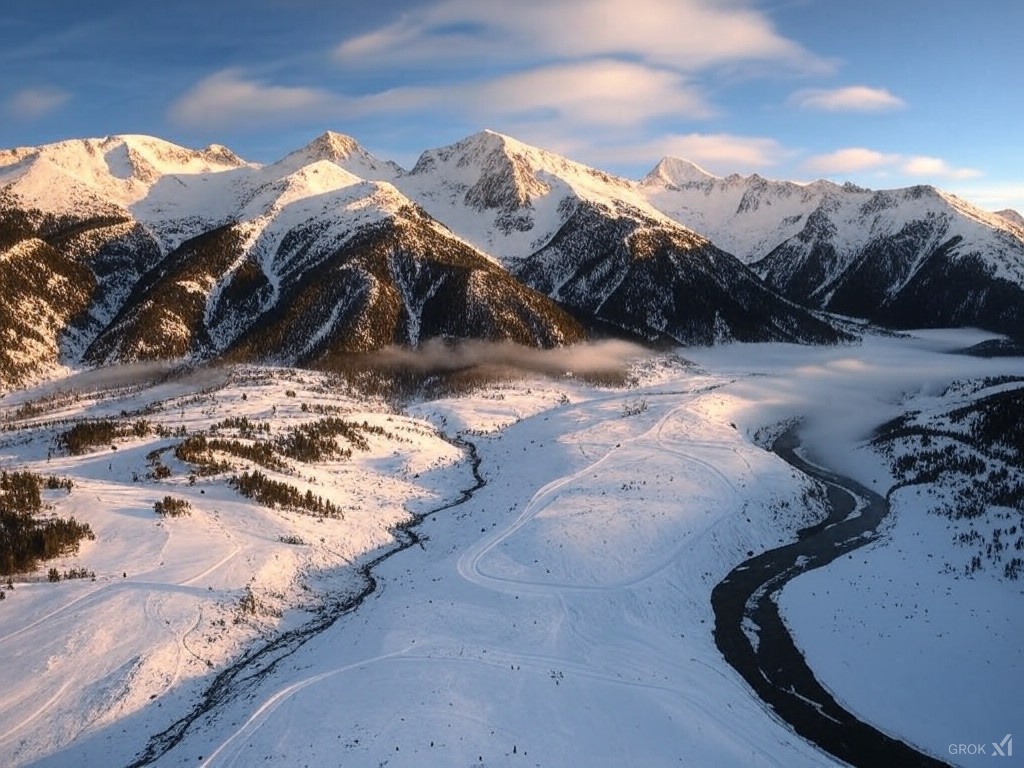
(191, 252)
(509, 198)
(82, 177)
(1012, 216)
(559, 614)
(593, 243)
(911, 257)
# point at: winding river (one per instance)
(753, 638)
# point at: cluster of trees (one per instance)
(169, 506)
(1014, 569)
(312, 442)
(272, 493)
(25, 539)
(320, 408)
(87, 435)
(634, 407)
(981, 465)
(53, 575)
(997, 420)
(362, 376)
(316, 441)
(245, 426)
(199, 450)
(927, 466)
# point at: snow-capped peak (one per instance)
(510, 198)
(332, 146)
(77, 175)
(146, 158)
(343, 151)
(492, 154)
(1011, 216)
(676, 172)
(221, 152)
(498, 171)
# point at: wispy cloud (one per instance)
(573, 73)
(580, 95)
(683, 34)
(603, 92)
(228, 97)
(920, 165)
(34, 103)
(849, 160)
(853, 98)
(856, 159)
(572, 65)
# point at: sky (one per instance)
(884, 93)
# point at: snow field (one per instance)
(559, 617)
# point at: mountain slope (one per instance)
(401, 281)
(174, 252)
(1011, 216)
(323, 263)
(592, 242)
(41, 292)
(908, 257)
(663, 283)
(508, 198)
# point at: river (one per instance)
(755, 641)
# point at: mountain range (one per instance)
(130, 248)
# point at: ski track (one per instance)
(469, 565)
(6, 737)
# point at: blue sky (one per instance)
(883, 93)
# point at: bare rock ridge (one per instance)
(132, 248)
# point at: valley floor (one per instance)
(561, 616)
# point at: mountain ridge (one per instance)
(682, 256)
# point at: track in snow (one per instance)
(254, 666)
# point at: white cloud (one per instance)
(579, 96)
(683, 34)
(920, 165)
(854, 159)
(227, 97)
(849, 160)
(34, 103)
(854, 98)
(596, 93)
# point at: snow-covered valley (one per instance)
(561, 615)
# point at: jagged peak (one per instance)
(676, 172)
(472, 150)
(499, 171)
(503, 172)
(222, 152)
